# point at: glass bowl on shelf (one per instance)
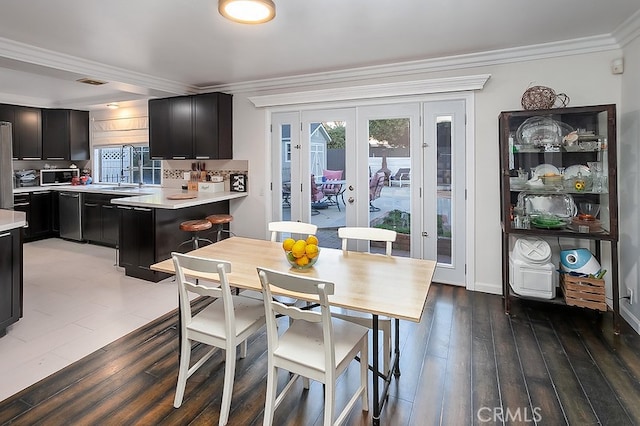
(588, 211)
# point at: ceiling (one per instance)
(148, 48)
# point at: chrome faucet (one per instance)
(122, 162)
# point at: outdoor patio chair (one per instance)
(376, 182)
(402, 177)
(330, 190)
(286, 194)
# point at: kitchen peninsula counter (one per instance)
(154, 197)
(11, 219)
(149, 228)
(160, 200)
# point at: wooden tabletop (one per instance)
(373, 283)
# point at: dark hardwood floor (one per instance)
(465, 363)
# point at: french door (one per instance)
(401, 166)
(444, 197)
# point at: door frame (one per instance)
(467, 95)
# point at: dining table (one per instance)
(369, 283)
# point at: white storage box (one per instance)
(531, 273)
(211, 186)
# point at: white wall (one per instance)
(585, 78)
(629, 182)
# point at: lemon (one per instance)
(312, 239)
(311, 250)
(298, 249)
(288, 243)
(302, 261)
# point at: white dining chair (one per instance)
(226, 323)
(291, 227)
(316, 345)
(384, 323)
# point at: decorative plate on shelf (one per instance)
(546, 169)
(541, 131)
(548, 222)
(572, 171)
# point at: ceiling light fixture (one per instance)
(247, 11)
(91, 81)
(113, 105)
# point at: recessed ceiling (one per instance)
(147, 48)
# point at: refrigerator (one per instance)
(6, 166)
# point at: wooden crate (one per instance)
(583, 292)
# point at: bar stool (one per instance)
(195, 226)
(219, 220)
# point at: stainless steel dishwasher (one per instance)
(71, 215)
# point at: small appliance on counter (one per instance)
(26, 178)
(59, 176)
(531, 273)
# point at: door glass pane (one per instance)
(443, 131)
(390, 181)
(327, 168)
(285, 161)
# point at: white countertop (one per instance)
(10, 219)
(159, 199)
(153, 197)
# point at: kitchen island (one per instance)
(11, 224)
(149, 226)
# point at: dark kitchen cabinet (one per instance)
(41, 211)
(91, 218)
(27, 130)
(148, 236)
(100, 219)
(212, 126)
(38, 207)
(55, 214)
(159, 140)
(10, 278)
(191, 127)
(22, 203)
(567, 154)
(110, 225)
(137, 244)
(65, 134)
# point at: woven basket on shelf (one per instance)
(542, 97)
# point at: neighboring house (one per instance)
(319, 141)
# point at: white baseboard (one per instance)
(486, 288)
(629, 317)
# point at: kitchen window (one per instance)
(124, 163)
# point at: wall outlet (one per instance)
(630, 295)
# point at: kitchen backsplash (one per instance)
(173, 171)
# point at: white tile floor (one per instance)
(75, 302)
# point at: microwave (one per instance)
(58, 176)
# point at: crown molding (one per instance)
(495, 57)
(59, 61)
(155, 86)
(629, 30)
(375, 91)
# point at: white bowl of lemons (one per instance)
(301, 254)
